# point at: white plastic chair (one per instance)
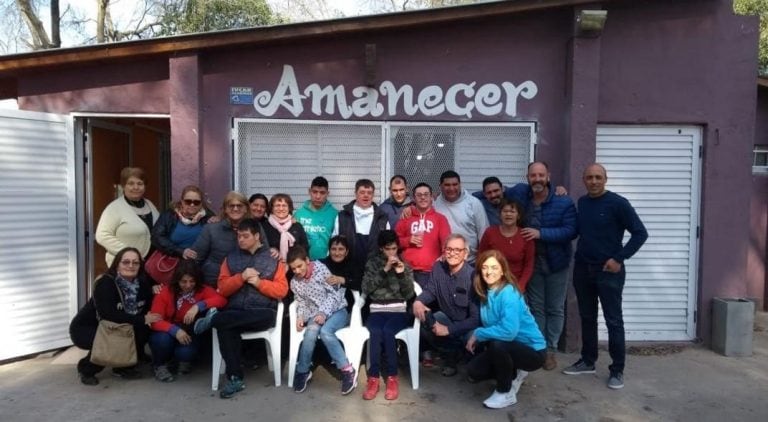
(352, 337)
(272, 338)
(410, 336)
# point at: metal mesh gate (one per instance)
(274, 156)
(421, 153)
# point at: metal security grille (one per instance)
(274, 156)
(658, 169)
(284, 156)
(421, 153)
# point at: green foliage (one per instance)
(759, 8)
(188, 16)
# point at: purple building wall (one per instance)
(757, 278)
(684, 62)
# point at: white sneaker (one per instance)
(518, 382)
(499, 400)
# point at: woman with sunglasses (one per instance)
(177, 228)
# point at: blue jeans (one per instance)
(591, 283)
(452, 346)
(327, 333)
(383, 327)
(165, 346)
(546, 298)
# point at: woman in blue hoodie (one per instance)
(513, 343)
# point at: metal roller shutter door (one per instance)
(657, 168)
(38, 253)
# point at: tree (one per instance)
(40, 39)
(385, 6)
(759, 8)
(188, 16)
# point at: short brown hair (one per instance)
(129, 172)
(281, 197)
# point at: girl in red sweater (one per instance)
(179, 304)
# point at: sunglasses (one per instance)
(194, 202)
(128, 263)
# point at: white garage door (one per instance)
(657, 168)
(38, 254)
(274, 156)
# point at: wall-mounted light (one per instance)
(419, 157)
(590, 23)
(440, 145)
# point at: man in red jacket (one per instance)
(423, 234)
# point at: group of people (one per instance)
(491, 269)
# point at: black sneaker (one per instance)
(89, 379)
(348, 381)
(234, 385)
(578, 368)
(129, 373)
(300, 381)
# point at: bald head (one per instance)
(595, 178)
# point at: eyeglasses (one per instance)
(193, 202)
(129, 263)
(454, 250)
(235, 206)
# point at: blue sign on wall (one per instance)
(239, 95)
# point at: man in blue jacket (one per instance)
(551, 223)
(598, 271)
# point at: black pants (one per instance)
(82, 336)
(230, 324)
(502, 359)
(592, 283)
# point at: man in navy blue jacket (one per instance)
(550, 221)
(598, 271)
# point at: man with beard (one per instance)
(551, 223)
(493, 192)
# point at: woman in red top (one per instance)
(179, 304)
(506, 238)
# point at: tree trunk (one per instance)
(100, 18)
(55, 20)
(40, 38)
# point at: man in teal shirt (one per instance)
(317, 215)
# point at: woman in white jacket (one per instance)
(127, 220)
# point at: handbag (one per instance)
(160, 267)
(114, 344)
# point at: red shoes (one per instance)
(393, 387)
(372, 388)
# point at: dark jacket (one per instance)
(348, 230)
(558, 223)
(163, 228)
(392, 209)
(106, 300)
(384, 287)
(273, 235)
